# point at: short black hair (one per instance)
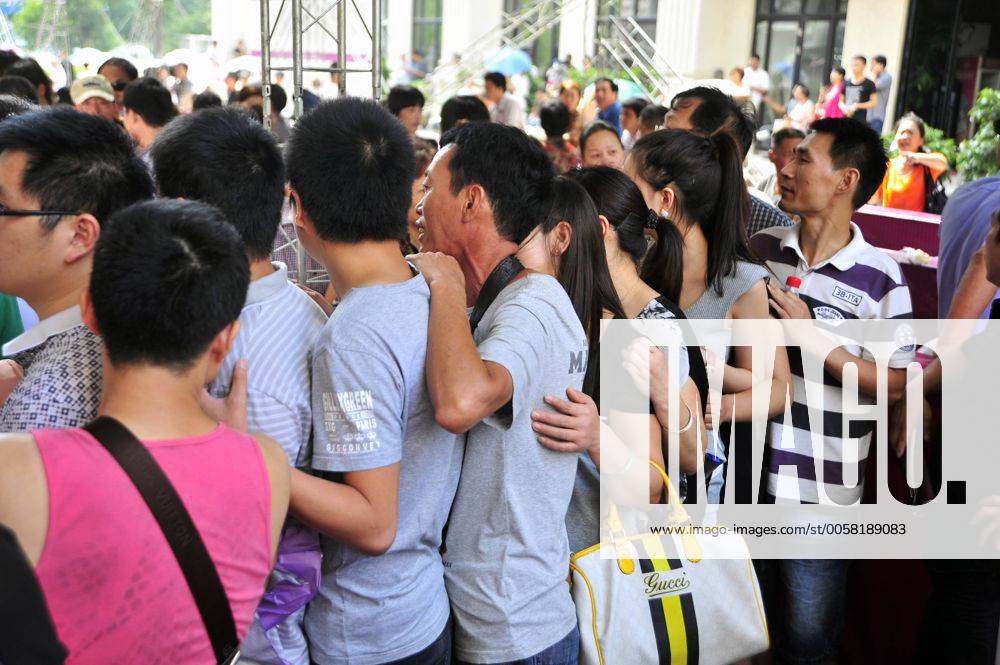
(555, 118)
(497, 79)
(147, 97)
(424, 152)
(31, 70)
(718, 111)
(463, 107)
(205, 100)
(593, 128)
(755, 56)
(635, 104)
(63, 96)
(7, 58)
(279, 98)
(805, 89)
(880, 59)
(863, 59)
(512, 168)
(76, 162)
(18, 86)
(856, 145)
(610, 82)
(223, 157)
(248, 91)
(168, 276)
(652, 116)
(352, 164)
(785, 134)
(11, 105)
(131, 73)
(403, 96)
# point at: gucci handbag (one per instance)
(654, 599)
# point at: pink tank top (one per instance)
(831, 104)
(111, 581)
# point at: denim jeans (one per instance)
(810, 628)
(963, 613)
(564, 652)
(438, 653)
(876, 125)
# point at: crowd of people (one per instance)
(398, 470)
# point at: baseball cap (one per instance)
(91, 86)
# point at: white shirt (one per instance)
(756, 78)
(508, 112)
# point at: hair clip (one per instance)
(652, 219)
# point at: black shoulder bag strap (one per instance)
(696, 362)
(498, 279)
(175, 522)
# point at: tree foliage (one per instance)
(105, 24)
(977, 154)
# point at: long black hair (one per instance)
(707, 174)
(583, 269)
(620, 201)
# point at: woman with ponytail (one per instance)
(573, 245)
(696, 184)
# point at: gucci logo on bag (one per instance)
(666, 584)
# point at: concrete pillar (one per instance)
(465, 22)
(399, 31)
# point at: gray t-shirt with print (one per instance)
(371, 409)
(507, 555)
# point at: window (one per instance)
(798, 41)
(427, 29)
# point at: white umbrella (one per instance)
(250, 63)
(88, 56)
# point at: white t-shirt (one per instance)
(756, 78)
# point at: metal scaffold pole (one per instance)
(338, 45)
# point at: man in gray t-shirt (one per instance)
(382, 598)
(883, 84)
(507, 556)
(506, 559)
(369, 395)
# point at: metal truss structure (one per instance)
(293, 24)
(310, 17)
(625, 44)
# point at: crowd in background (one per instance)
(374, 479)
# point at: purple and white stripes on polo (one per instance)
(858, 282)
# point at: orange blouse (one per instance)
(905, 191)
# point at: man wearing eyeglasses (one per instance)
(61, 174)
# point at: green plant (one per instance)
(934, 140)
(977, 156)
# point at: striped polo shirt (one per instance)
(858, 282)
(278, 326)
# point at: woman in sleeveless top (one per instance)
(571, 245)
(696, 183)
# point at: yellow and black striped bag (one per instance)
(654, 599)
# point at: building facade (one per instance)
(939, 52)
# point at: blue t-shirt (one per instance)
(613, 116)
(371, 409)
(965, 222)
